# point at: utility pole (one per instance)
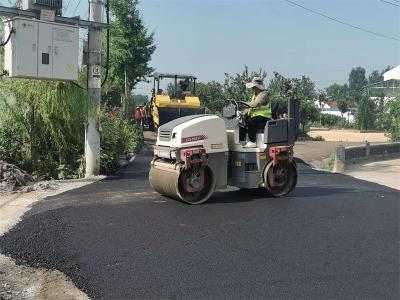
(92, 134)
(126, 104)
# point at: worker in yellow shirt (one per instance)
(258, 114)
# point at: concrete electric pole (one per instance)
(92, 134)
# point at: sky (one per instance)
(209, 38)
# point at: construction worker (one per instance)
(144, 115)
(184, 85)
(138, 116)
(258, 114)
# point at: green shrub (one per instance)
(42, 126)
(318, 138)
(392, 119)
(366, 115)
(118, 137)
(11, 142)
(330, 120)
(328, 163)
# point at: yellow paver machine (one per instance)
(179, 100)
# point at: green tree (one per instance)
(375, 77)
(308, 113)
(211, 95)
(306, 89)
(357, 81)
(235, 85)
(366, 114)
(322, 99)
(343, 108)
(337, 91)
(302, 88)
(387, 69)
(131, 46)
(392, 119)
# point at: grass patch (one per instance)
(328, 163)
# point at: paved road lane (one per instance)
(335, 237)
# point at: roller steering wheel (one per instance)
(239, 104)
(240, 117)
(243, 104)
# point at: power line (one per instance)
(344, 23)
(390, 3)
(79, 2)
(66, 7)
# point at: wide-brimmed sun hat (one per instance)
(256, 82)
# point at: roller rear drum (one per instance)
(281, 179)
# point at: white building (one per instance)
(349, 116)
(393, 74)
(327, 109)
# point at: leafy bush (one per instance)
(392, 119)
(308, 114)
(11, 142)
(319, 138)
(42, 126)
(118, 137)
(328, 163)
(330, 120)
(366, 114)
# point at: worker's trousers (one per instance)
(253, 124)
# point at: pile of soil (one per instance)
(13, 178)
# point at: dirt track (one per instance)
(349, 136)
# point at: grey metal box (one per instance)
(276, 131)
(20, 53)
(41, 50)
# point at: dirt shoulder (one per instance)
(313, 151)
(20, 282)
(317, 153)
(352, 136)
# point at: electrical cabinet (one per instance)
(42, 50)
(20, 54)
(45, 51)
(65, 52)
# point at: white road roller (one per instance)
(196, 155)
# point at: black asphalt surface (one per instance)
(335, 237)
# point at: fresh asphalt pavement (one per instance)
(334, 237)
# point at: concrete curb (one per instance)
(345, 156)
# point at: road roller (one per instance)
(194, 156)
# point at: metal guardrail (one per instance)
(345, 156)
